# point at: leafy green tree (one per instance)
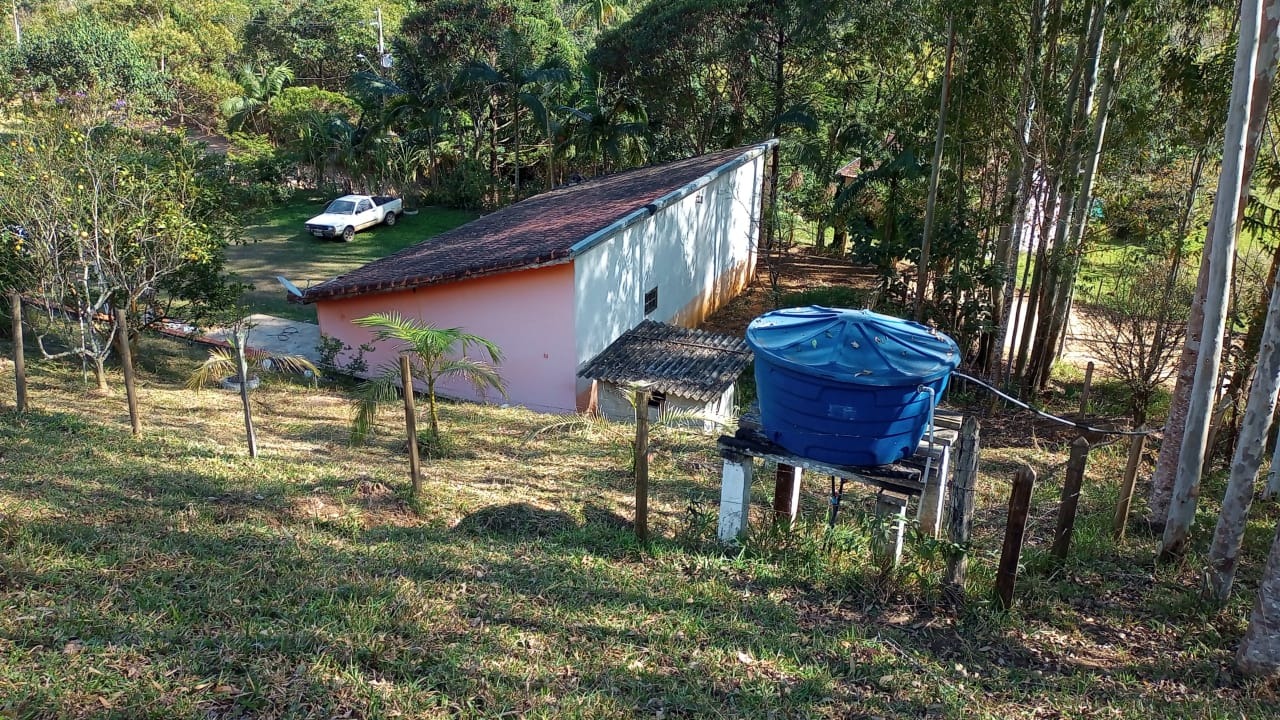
(435, 354)
(111, 217)
(85, 57)
(320, 39)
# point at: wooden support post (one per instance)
(1137, 444)
(1088, 385)
(735, 497)
(932, 510)
(126, 364)
(19, 359)
(411, 427)
(1015, 531)
(642, 465)
(786, 495)
(1070, 497)
(962, 491)
(891, 512)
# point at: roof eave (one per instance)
(670, 198)
(381, 289)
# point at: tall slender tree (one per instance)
(1231, 187)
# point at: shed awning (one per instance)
(674, 360)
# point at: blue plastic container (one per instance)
(848, 387)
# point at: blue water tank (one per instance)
(848, 387)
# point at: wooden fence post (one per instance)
(1088, 385)
(126, 364)
(961, 520)
(1070, 497)
(411, 427)
(1137, 444)
(642, 465)
(1015, 531)
(19, 359)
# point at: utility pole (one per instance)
(383, 60)
(17, 29)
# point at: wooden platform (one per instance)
(924, 475)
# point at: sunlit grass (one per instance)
(171, 576)
(277, 244)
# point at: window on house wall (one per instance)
(651, 301)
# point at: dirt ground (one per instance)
(797, 271)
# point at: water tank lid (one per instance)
(853, 346)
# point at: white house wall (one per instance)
(698, 251)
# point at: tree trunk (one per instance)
(1259, 652)
(1051, 313)
(1162, 478)
(1231, 189)
(243, 370)
(1250, 355)
(1080, 212)
(1227, 537)
(515, 111)
(939, 142)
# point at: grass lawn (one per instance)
(276, 244)
(172, 577)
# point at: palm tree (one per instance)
(604, 129)
(230, 366)
(603, 13)
(512, 83)
(260, 86)
(434, 355)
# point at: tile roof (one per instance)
(542, 230)
(690, 363)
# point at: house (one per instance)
(690, 374)
(555, 279)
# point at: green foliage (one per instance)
(319, 39)
(145, 209)
(434, 354)
(84, 56)
(462, 185)
(259, 87)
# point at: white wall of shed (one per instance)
(698, 252)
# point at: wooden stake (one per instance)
(19, 359)
(126, 364)
(1137, 444)
(411, 427)
(786, 495)
(1088, 385)
(1070, 497)
(642, 465)
(961, 520)
(1015, 531)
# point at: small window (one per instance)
(656, 399)
(651, 301)
(365, 206)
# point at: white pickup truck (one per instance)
(351, 213)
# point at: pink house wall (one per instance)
(528, 314)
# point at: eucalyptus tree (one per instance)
(1233, 183)
(1167, 462)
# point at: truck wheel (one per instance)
(390, 219)
(348, 234)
